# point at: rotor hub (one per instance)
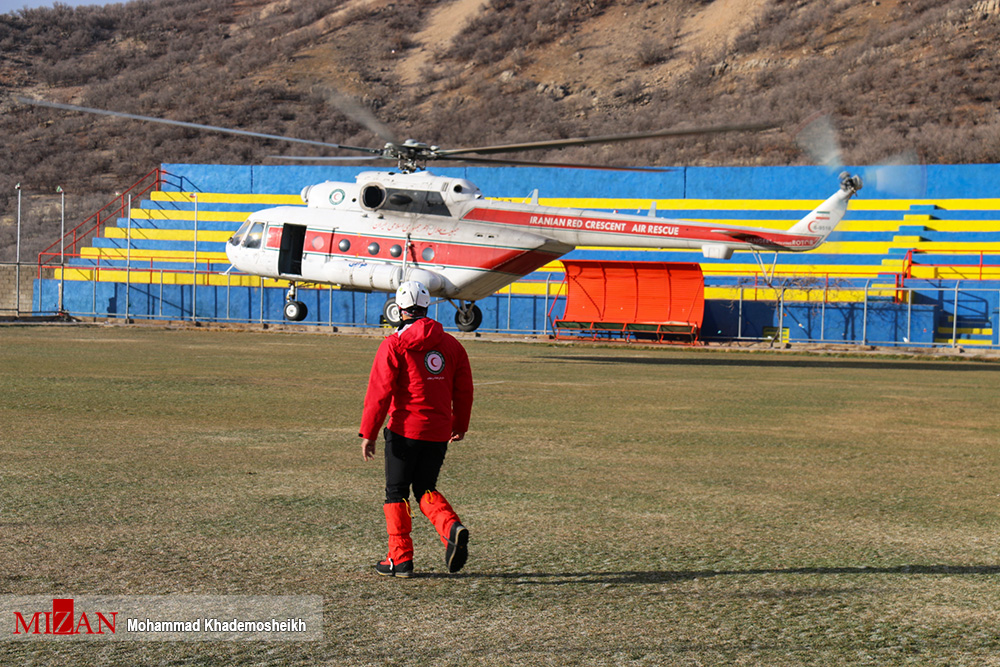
(850, 183)
(410, 155)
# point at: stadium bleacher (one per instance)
(885, 250)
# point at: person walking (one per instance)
(421, 380)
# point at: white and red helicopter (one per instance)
(386, 228)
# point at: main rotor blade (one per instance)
(609, 139)
(193, 126)
(818, 139)
(559, 165)
(332, 158)
(472, 160)
(359, 114)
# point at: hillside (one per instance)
(895, 74)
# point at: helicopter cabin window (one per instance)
(344, 245)
(373, 248)
(374, 196)
(427, 254)
(254, 236)
(434, 204)
(404, 201)
(428, 202)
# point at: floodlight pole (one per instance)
(194, 274)
(954, 318)
(781, 318)
(62, 246)
(17, 258)
(864, 322)
(128, 259)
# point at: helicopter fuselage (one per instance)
(387, 228)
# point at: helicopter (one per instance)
(389, 227)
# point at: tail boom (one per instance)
(820, 222)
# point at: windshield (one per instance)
(254, 235)
(237, 238)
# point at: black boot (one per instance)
(388, 568)
(457, 551)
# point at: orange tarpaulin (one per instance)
(611, 296)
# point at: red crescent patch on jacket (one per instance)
(434, 362)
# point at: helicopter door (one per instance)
(293, 238)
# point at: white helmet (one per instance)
(412, 293)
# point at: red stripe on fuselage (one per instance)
(646, 228)
(516, 261)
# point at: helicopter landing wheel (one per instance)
(468, 318)
(390, 312)
(295, 311)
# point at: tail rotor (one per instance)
(901, 175)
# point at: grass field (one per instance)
(627, 506)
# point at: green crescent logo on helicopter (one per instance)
(337, 196)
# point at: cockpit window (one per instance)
(254, 236)
(237, 238)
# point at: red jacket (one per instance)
(421, 378)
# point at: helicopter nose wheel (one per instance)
(468, 317)
(295, 311)
(390, 312)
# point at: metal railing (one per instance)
(961, 313)
(941, 324)
(69, 244)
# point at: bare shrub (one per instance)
(631, 91)
(507, 25)
(652, 51)
(703, 70)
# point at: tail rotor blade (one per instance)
(902, 176)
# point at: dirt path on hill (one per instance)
(702, 32)
(721, 21)
(444, 24)
(328, 23)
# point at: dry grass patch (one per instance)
(631, 507)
